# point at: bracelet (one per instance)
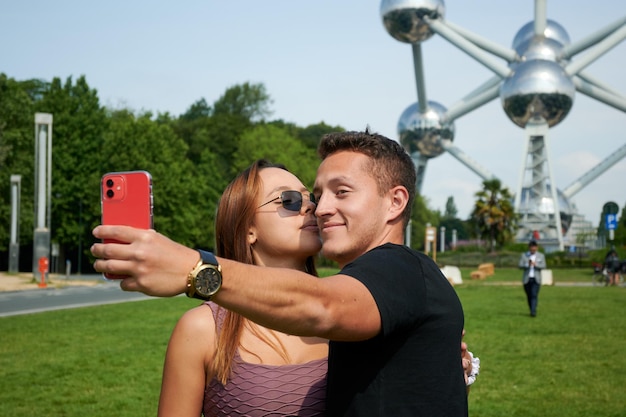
(475, 369)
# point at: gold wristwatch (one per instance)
(205, 279)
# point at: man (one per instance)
(532, 262)
(394, 321)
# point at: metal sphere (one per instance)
(553, 31)
(403, 19)
(423, 132)
(540, 48)
(537, 89)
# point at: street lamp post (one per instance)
(43, 182)
(14, 245)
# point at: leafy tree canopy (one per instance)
(191, 158)
(493, 214)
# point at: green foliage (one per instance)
(493, 214)
(311, 134)
(276, 145)
(249, 101)
(191, 158)
(453, 223)
(17, 109)
(451, 210)
(78, 125)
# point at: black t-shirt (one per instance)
(413, 367)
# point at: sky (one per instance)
(325, 61)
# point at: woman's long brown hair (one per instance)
(235, 215)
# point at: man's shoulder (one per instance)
(392, 255)
(394, 249)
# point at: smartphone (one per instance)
(126, 199)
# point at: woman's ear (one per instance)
(252, 236)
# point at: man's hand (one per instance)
(152, 263)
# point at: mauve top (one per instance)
(267, 390)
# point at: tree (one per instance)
(219, 127)
(493, 214)
(312, 134)
(198, 110)
(191, 158)
(17, 110)
(78, 125)
(276, 145)
(182, 194)
(451, 210)
(250, 101)
(453, 223)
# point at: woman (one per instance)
(219, 363)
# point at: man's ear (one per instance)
(399, 199)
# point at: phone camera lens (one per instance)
(110, 193)
(109, 183)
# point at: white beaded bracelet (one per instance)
(475, 369)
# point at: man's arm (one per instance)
(337, 307)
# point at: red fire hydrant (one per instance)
(43, 268)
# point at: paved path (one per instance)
(46, 299)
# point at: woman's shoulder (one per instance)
(198, 319)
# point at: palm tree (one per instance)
(493, 214)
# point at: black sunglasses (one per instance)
(291, 200)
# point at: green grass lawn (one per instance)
(107, 360)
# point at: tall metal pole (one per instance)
(43, 181)
(14, 245)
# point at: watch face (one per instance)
(208, 281)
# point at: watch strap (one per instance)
(207, 257)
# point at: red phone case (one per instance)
(126, 199)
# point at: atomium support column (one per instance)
(536, 199)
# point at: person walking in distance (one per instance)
(532, 262)
(613, 266)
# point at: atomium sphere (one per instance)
(542, 48)
(423, 132)
(552, 31)
(545, 205)
(537, 89)
(403, 19)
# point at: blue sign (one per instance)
(611, 221)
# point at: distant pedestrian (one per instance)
(613, 266)
(532, 262)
